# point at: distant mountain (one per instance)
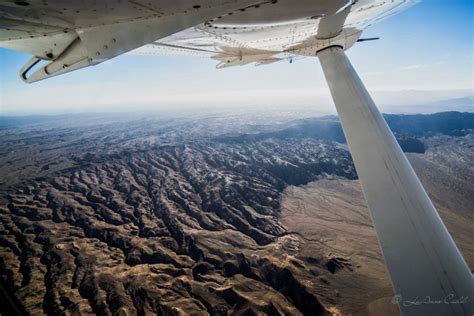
(465, 104)
(415, 102)
(407, 129)
(447, 123)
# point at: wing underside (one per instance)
(74, 34)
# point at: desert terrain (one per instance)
(221, 215)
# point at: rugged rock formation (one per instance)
(169, 230)
(174, 217)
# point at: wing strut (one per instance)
(428, 273)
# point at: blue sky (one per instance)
(425, 54)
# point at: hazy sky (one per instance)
(425, 54)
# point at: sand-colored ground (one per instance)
(332, 217)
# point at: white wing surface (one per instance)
(70, 35)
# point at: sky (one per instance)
(424, 56)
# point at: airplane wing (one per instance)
(66, 35)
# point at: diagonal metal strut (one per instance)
(428, 273)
